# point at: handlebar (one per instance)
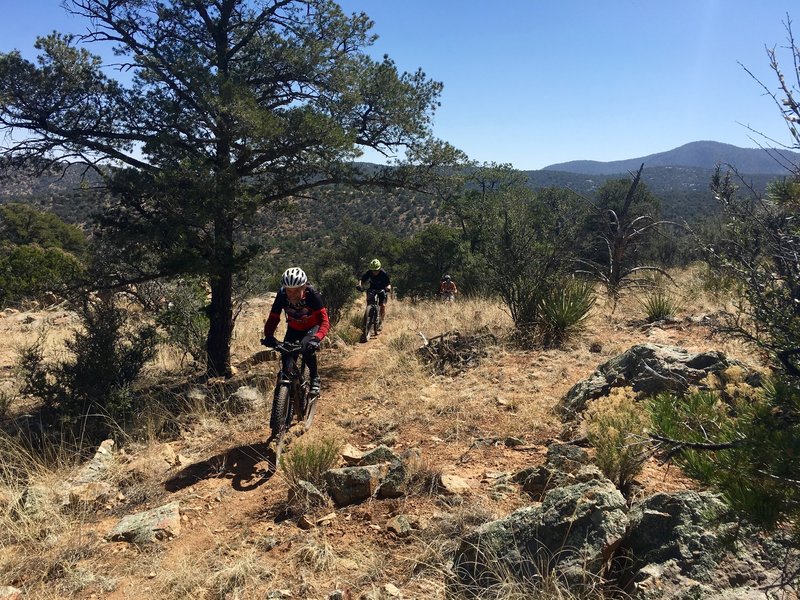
(284, 347)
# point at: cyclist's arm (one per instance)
(321, 316)
(274, 317)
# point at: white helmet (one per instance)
(294, 277)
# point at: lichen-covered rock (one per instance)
(351, 485)
(647, 368)
(676, 548)
(160, 523)
(574, 532)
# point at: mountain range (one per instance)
(704, 155)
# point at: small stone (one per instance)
(305, 522)
(513, 442)
(454, 485)
(399, 526)
(326, 519)
(392, 590)
(351, 454)
(8, 592)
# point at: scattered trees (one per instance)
(225, 108)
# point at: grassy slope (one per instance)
(240, 542)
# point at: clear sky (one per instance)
(537, 82)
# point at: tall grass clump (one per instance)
(309, 461)
(616, 427)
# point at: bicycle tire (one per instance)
(279, 419)
(376, 321)
(366, 334)
(300, 399)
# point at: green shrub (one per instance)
(310, 461)
(23, 225)
(745, 448)
(563, 311)
(27, 272)
(92, 391)
(184, 320)
(616, 428)
(338, 288)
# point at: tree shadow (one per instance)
(240, 465)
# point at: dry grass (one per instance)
(373, 393)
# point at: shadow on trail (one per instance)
(242, 465)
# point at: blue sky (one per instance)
(537, 82)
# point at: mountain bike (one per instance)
(292, 395)
(372, 315)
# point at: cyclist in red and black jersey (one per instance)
(306, 319)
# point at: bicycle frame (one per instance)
(294, 378)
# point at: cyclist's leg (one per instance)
(382, 303)
(310, 358)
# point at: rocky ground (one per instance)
(225, 528)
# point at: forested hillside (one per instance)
(683, 193)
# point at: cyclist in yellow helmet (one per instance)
(376, 281)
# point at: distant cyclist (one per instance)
(376, 281)
(448, 288)
(306, 319)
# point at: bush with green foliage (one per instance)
(338, 288)
(746, 448)
(91, 393)
(23, 225)
(28, 272)
(426, 257)
(183, 319)
(527, 240)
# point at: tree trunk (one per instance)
(218, 343)
(220, 314)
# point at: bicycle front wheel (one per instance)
(279, 419)
(367, 327)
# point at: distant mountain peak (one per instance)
(703, 154)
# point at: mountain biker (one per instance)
(306, 320)
(377, 282)
(448, 287)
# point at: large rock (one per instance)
(566, 464)
(351, 485)
(675, 549)
(574, 532)
(97, 468)
(160, 523)
(647, 368)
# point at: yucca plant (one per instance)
(659, 304)
(563, 310)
